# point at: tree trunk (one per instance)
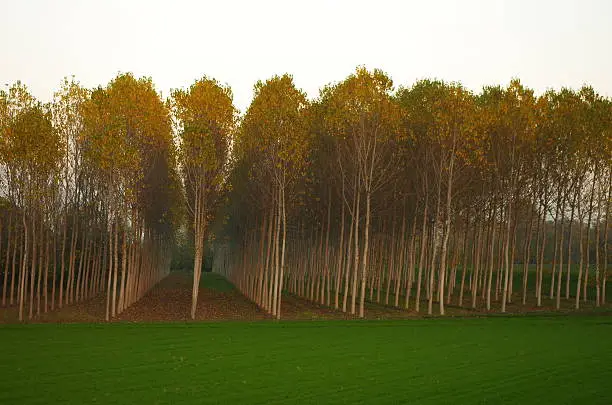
(356, 266)
(115, 268)
(54, 252)
(123, 286)
(581, 253)
(506, 256)
(560, 272)
(109, 269)
(340, 255)
(477, 261)
(391, 262)
(556, 245)
(512, 256)
(282, 260)
(569, 245)
(434, 248)
(421, 257)
(491, 258)
(605, 238)
(447, 224)
(597, 235)
(275, 296)
(540, 264)
(24, 266)
(260, 265)
(411, 259)
(81, 267)
(366, 246)
(7, 259)
(72, 260)
(347, 273)
(33, 267)
(63, 262)
(526, 255)
(46, 270)
(465, 257)
(14, 263)
(199, 229)
(400, 267)
(267, 272)
(327, 271)
(588, 237)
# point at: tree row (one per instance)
(428, 194)
(89, 193)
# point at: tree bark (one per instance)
(526, 255)
(349, 247)
(33, 267)
(282, 260)
(63, 262)
(24, 261)
(340, 255)
(588, 237)
(356, 266)
(366, 246)
(7, 259)
(411, 259)
(421, 257)
(491, 260)
(465, 257)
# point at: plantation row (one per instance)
(428, 192)
(88, 195)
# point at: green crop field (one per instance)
(520, 360)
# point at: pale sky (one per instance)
(547, 44)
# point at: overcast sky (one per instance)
(547, 44)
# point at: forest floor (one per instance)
(170, 300)
(527, 360)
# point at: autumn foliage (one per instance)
(410, 197)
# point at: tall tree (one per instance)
(207, 121)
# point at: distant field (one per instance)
(521, 360)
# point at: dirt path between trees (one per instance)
(170, 301)
(219, 300)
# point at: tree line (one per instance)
(430, 194)
(405, 197)
(89, 194)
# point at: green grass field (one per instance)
(521, 360)
(215, 282)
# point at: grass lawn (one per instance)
(522, 360)
(215, 282)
